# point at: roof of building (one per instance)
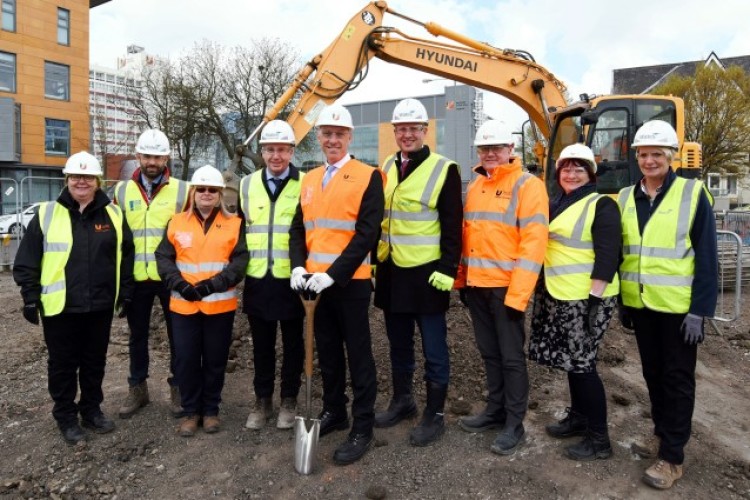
(96, 3)
(644, 79)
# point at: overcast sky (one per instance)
(581, 42)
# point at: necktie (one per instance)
(404, 163)
(330, 170)
(276, 184)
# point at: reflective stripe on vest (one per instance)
(57, 242)
(148, 220)
(508, 218)
(267, 225)
(330, 214)
(410, 231)
(657, 269)
(569, 260)
(201, 256)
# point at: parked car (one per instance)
(15, 225)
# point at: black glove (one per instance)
(188, 291)
(124, 308)
(462, 297)
(205, 288)
(692, 329)
(31, 313)
(514, 314)
(306, 293)
(626, 320)
(594, 306)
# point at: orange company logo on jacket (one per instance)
(201, 256)
(506, 218)
(330, 214)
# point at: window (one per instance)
(9, 15)
(56, 137)
(56, 81)
(7, 72)
(63, 26)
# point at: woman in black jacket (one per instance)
(74, 265)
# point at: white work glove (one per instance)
(298, 279)
(319, 282)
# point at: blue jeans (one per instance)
(434, 331)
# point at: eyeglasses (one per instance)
(81, 177)
(485, 150)
(338, 135)
(574, 170)
(270, 151)
(413, 129)
(202, 189)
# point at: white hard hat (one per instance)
(577, 152)
(207, 175)
(83, 163)
(409, 111)
(656, 133)
(493, 133)
(335, 115)
(153, 142)
(277, 131)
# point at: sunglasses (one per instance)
(202, 189)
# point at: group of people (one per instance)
(650, 255)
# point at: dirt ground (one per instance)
(144, 458)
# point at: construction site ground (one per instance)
(144, 458)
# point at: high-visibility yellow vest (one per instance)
(57, 232)
(410, 231)
(148, 220)
(658, 266)
(569, 259)
(267, 225)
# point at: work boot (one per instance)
(137, 399)
(354, 448)
(211, 424)
(662, 474)
(508, 441)
(646, 449)
(188, 426)
(175, 403)
(594, 445)
(287, 413)
(98, 423)
(432, 425)
(574, 424)
(261, 413)
(402, 404)
(484, 421)
(72, 433)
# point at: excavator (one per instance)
(607, 124)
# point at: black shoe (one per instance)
(428, 431)
(354, 448)
(574, 424)
(508, 441)
(400, 408)
(72, 433)
(481, 422)
(594, 445)
(99, 423)
(331, 421)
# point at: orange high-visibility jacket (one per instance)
(506, 218)
(201, 256)
(330, 214)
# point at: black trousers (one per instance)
(500, 341)
(669, 370)
(264, 355)
(202, 348)
(77, 346)
(139, 321)
(344, 322)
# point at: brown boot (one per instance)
(260, 414)
(211, 424)
(188, 426)
(175, 403)
(662, 474)
(137, 399)
(287, 413)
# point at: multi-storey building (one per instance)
(44, 96)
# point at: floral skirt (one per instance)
(560, 335)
